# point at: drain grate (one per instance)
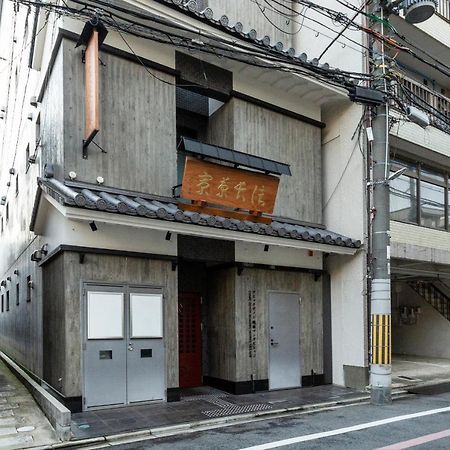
(236, 409)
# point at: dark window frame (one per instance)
(17, 294)
(7, 300)
(419, 174)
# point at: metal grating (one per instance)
(237, 409)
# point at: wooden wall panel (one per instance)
(265, 133)
(138, 125)
(54, 321)
(311, 328)
(114, 269)
(221, 324)
(21, 326)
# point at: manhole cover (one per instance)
(24, 429)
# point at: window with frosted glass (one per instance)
(403, 199)
(432, 205)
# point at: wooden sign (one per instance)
(92, 89)
(215, 184)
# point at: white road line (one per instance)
(362, 426)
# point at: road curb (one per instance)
(191, 427)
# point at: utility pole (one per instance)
(380, 293)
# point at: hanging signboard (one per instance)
(215, 184)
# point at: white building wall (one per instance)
(344, 180)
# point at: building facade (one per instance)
(114, 291)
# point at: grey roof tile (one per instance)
(237, 29)
(132, 203)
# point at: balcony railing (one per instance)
(411, 92)
(443, 9)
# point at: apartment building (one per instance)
(419, 198)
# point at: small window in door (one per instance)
(105, 315)
(146, 315)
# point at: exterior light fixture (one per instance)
(93, 226)
(417, 11)
(100, 180)
(72, 175)
(16, 272)
(168, 236)
(36, 256)
(266, 248)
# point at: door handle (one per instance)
(130, 347)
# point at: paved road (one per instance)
(426, 419)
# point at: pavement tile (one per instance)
(192, 409)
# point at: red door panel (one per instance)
(190, 339)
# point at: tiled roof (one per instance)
(151, 207)
(192, 8)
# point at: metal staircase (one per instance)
(434, 296)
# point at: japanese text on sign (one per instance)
(252, 324)
(228, 186)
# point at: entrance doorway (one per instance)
(284, 344)
(190, 339)
(124, 360)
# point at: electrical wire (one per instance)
(130, 27)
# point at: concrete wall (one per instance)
(228, 323)
(137, 125)
(66, 353)
(348, 316)
(21, 326)
(259, 131)
(344, 180)
(221, 325)
(428, 337)
(311, 325)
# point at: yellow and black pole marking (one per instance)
(381, 339)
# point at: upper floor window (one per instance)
(7, 212)
(17, 184)
(17, 294)
(7, 300)
(421, 195)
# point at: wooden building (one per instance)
(120, 286)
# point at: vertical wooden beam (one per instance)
(92, 91)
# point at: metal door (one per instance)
(105, 348)
(145, 349)
(284, 344)
(190, 339)
(124, 358)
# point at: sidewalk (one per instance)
(22, 423)
(204, 404)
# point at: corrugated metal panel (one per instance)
(235, 157)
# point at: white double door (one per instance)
(124, 360)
